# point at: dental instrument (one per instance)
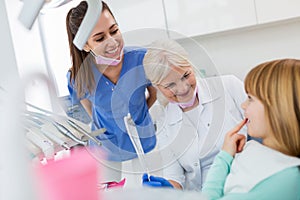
(56, 139)
(61, 128)
(135, 139)
(92, 134)
(75, 110)
(36, 125)
(81, 130)
(51, 136)
(32, 149)
(44, 144)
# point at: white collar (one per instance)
(208, 90)
(254, 164)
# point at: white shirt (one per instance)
(188, 142)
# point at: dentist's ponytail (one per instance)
(78, 57)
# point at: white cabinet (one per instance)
(143, 21)
(274, 10)
(197, 17)
(140, 21)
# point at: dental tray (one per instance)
(75, 110)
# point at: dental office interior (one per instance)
(221, 36)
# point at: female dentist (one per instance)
(109, 80)
(198, 113)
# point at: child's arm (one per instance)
(216, 177)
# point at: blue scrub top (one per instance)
(112, 102)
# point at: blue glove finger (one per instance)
(152, 184)
(157, 179)
(164, 182)
(145, 178)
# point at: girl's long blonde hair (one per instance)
(277, 85)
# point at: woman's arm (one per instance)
(151, 97)
(87, 106)
(175, 184)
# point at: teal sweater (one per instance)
(284, 185)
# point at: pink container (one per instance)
(72, 178)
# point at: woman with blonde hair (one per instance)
(272, 112)
(198, 113)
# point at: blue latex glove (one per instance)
(155, 181)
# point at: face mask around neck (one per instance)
(100, 60)
(190, 102)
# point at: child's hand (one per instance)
(234, 142)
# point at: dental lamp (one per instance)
(31, 9)
(89, 21)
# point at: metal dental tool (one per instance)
(36, 127)
(61, 128)
(44, 144)
(80, 129)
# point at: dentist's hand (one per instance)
(155, 181)
(234, 142)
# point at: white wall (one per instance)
(236, 52)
